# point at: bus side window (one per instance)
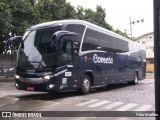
(66, 53)
(91, 40)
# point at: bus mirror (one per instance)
(58, 35)
(12, 39)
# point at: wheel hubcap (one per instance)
(86, 84)
(136, 79)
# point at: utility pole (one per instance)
(156, 8)
(133, 22)
(130, 26)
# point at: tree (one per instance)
(5, 23)
(19, 15)
(55, 10)
(89, 15)
(100, 18)
(24, 16)
(80, 13)
(121, 33)
(15, 18)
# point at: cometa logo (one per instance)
(97, 59)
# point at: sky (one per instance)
(118, 13)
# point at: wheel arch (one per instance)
(136, 71)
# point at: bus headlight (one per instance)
(47, 77)
(17, 76)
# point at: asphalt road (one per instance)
(106, 101)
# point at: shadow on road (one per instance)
(58, 96)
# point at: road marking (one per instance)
(127, 107)
(87, 102)
(46, 106)
(144, 108)
(116, 106)
(99, 104)
(113, 105)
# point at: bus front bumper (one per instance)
(45, 86)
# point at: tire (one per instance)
(135, 81)
(136, 78)
(85, 85)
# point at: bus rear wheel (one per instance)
(135, 81)
(86, 85)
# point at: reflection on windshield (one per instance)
(31, 51)
(35, 51)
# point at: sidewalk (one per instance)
(150, 76)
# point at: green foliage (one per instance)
(121, 33)
(80, 13)
(55, 10)
(18, 15)
(5, 23)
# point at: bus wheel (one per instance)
(135, 81)
(86, 85)
(135, 78)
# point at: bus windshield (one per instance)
(35, 51)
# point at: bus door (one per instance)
(68, 61)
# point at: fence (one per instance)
(7, 64)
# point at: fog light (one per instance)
(50, 86)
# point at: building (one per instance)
(148, 41)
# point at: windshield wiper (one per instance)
(39, 63)
(35, 61)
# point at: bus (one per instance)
(76, 55)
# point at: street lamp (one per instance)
(134, 22)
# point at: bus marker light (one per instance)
(61, 86)
(75, 81)
(85, 59)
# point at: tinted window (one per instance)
(66, 52)
(91, 40)
(77, 29)
(43, 39)
(113, 44)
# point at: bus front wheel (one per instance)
(86, 85)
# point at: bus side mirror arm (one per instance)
(9, 42)
(58, 35)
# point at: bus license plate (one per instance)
(30, 88)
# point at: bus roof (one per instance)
(82, 22)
